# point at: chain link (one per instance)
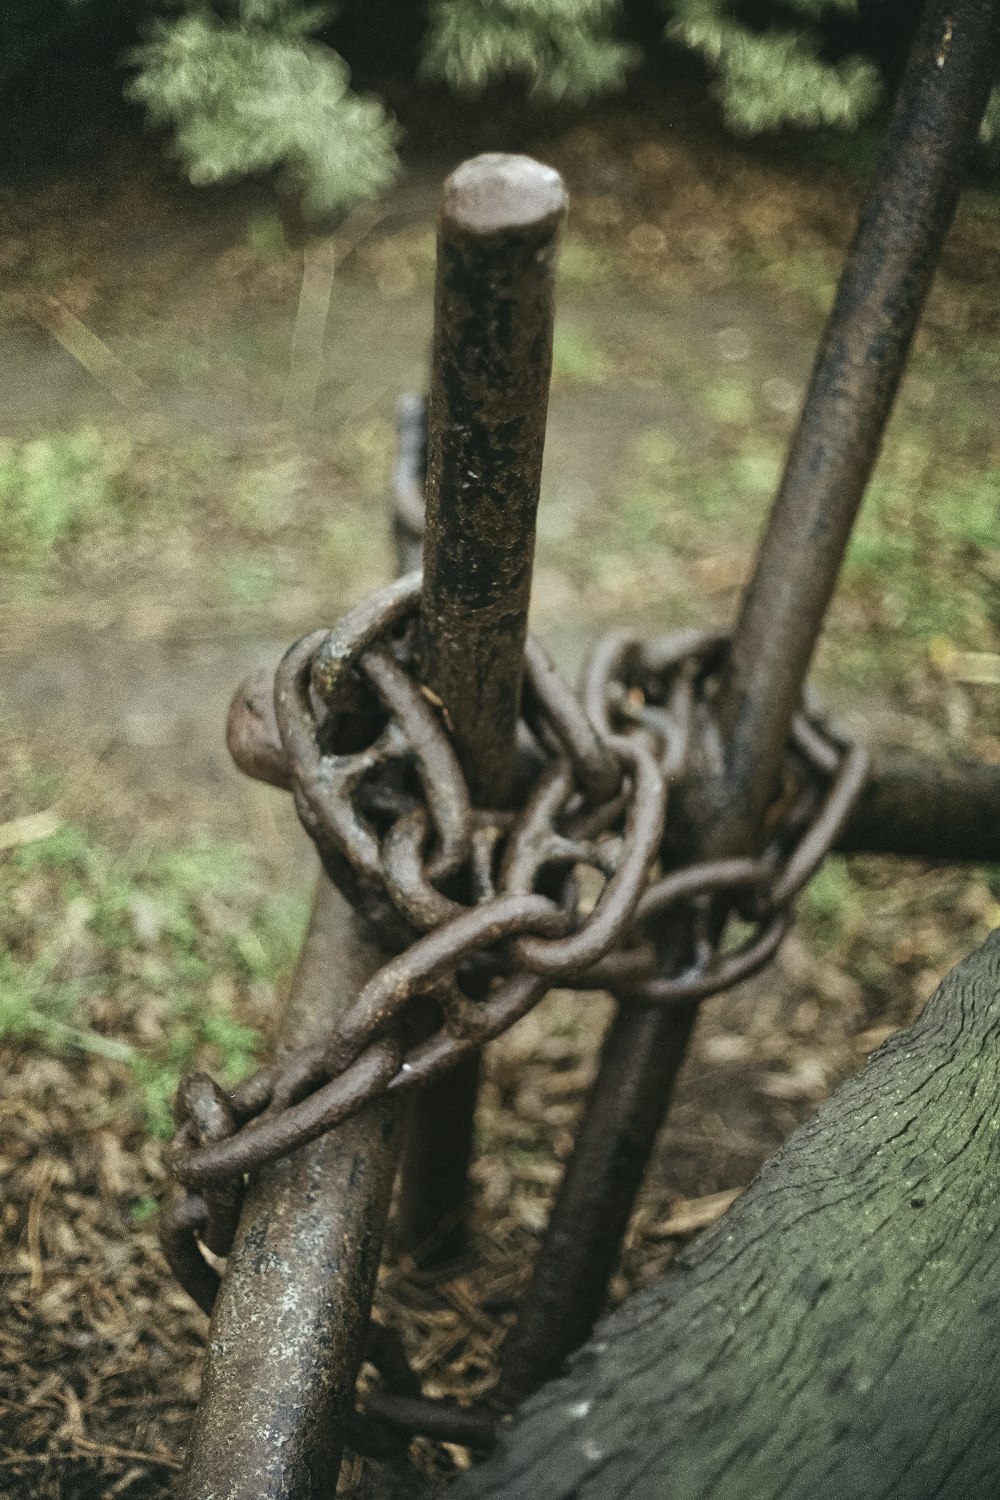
(485, 910)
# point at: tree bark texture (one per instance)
(837, 1335)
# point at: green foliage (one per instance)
(247, 87)
(254, 92)
(141, 958)
(258, 95)
(577, 357)
(924, 528)
(831, 906)
(564, 49)
(776, 77)
(53, 489)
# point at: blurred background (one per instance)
(216, 271)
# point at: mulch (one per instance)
(100, 1351)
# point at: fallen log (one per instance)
(837, 1335)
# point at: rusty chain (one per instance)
(485, 910)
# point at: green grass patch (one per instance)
(582, 264)
(55, 489)
(248, 579)
(832, 907)
(925, 539)
(156, 959)
(731, 401)
(577, 357)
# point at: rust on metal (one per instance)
(494, 306)
(882, 289)
(455, 817)
(493, 317)
(932, 130)
(511, 938)
(289, 1321)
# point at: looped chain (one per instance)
(487, 910)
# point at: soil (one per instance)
(685, 263)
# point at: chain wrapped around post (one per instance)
(483, 909)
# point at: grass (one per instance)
(158, 959)
(581, 264)
(920, 546)
(56, 489)
(577, 357)
(241, 523)
(249, 579)
(832, 907)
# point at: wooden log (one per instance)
(837, 1335)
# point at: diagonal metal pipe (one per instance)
(289, 1321)
(859, 364)
(861, 357)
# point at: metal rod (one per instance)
(289, 1321)
(932, 130)
(927, 809)
(861, 356)
(577, 1259)
(493, 314)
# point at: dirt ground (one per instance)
(230, 513)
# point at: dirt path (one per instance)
(137, 662)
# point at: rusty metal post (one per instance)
(290, 1317)
(859, 363)
(493, 314)
(861, 357)
(408, 474)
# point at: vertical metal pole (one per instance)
(493, 314)
(289, 1320)
(860, 360)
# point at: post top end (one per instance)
(495, 192)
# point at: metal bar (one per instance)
(933, 128)
(927, 809)
(861, 356)
(290, 1317)
(577, 1258)
(493, 314)
(291, 1313)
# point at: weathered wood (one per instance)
(837, 1335)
